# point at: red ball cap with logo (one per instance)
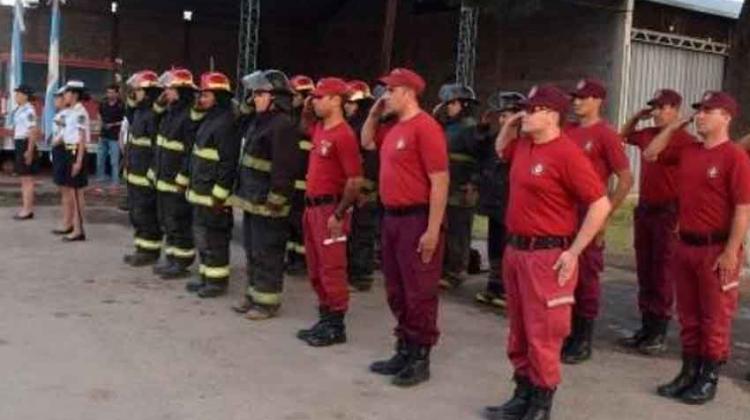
(718, 100)
(302, 83)
(664, 97)
(405, 78)
(330, 86)
(589, 88)
(548, 96)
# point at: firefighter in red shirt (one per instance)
(549, 179)
(334, 178)
(414, 191)
(605, 150)
(654, 223)
(713, 190)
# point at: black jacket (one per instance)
(174, 142)
(140, 145)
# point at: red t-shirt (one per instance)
(334, 157)
(547, 183)
(602, 145)
(657, 179)
(710, 183)
(410, 151)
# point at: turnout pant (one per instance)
(705, 309)
(458, 241)
(265, 241)
(411, 285)
(361, 244)
(496, 236)
(295, 245)
(538, 311)
(176, 220)
(326, 258)
(144, 218)
(212, 229)
(654, 237)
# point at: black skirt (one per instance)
(62, 167)
(20, 167)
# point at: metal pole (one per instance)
(389, 28)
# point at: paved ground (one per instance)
(83, 337)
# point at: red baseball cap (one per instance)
(589, 88)
(664, 97)
(404, 77)
(718, 100)
(330, 86)
(549, 96)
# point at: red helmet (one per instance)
(143, 79)
(359, 90)
(177, 78)
(302, 83)
(215, 81)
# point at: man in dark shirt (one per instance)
(112, 111)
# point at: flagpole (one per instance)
(15, 73)
(53, 71)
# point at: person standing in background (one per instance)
(112, 112)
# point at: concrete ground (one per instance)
(82, 337)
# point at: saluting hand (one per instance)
(644, 114)
(427, 246)
(726, 265)
(566, 266)
(377, 108)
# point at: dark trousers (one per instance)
(496, 233)
(265, 241)
(411, 285)
(295, 245)
(212, 230)
(176, 220)
(361, 244)
(458, 241)
(654, 237)
(144, 218)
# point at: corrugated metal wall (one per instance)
(658, 66)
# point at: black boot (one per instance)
(175, 271)
(333, 331)
(395, 364)
(635, 340)
(516, 407)
(573, 337)
(195, 284)
(705, 386)
(323, 315)
(656, 340)
(164, 265)
(141, 259)
(540, 406)
(683, 381)
(579, 349)
(417, 369)
(213, 289)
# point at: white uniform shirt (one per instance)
(58, 125)
(76, 120)
(23, 120)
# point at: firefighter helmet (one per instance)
(215, 81)
(274, 81)
(455, 91)
(143, 79)
(505, 101)
(359, 90)
(177, 78)
(302, 83)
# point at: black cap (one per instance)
(25, 89)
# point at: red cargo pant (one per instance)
(653, 237)
(326, 262)
(588, 292)
(539, 313)
(705, 310)
(411, 285)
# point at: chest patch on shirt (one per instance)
(712, 172)
(537, 169)
(325, 147)
(588, 146)
(401, 144)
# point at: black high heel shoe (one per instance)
(77, 238)
(67, 231)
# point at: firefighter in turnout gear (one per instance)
(454, 113)
(263, 191)
(212, 166)
(143, 123)
(302, 86)
(361, 245)
(174, 140)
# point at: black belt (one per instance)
(531, 243)
(657, 208)
(321, 200)
(407, 210)
(699, 239)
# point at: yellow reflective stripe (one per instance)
(141, 181)
(276, 199)
(220, 192)
(196, 115)
(180, 252)
(147, 244)
(206, 153)
(216, 272)
(158, 108)
(151, 175)
(165, 186)
(174, 145)
(461, 157)
(203, 200)
(300, 185)
(258, 164)
(257, 209)
(182, 180)
(264, 298)
(295, 247)
(140, 141)
(305, 145)
(201, 269)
